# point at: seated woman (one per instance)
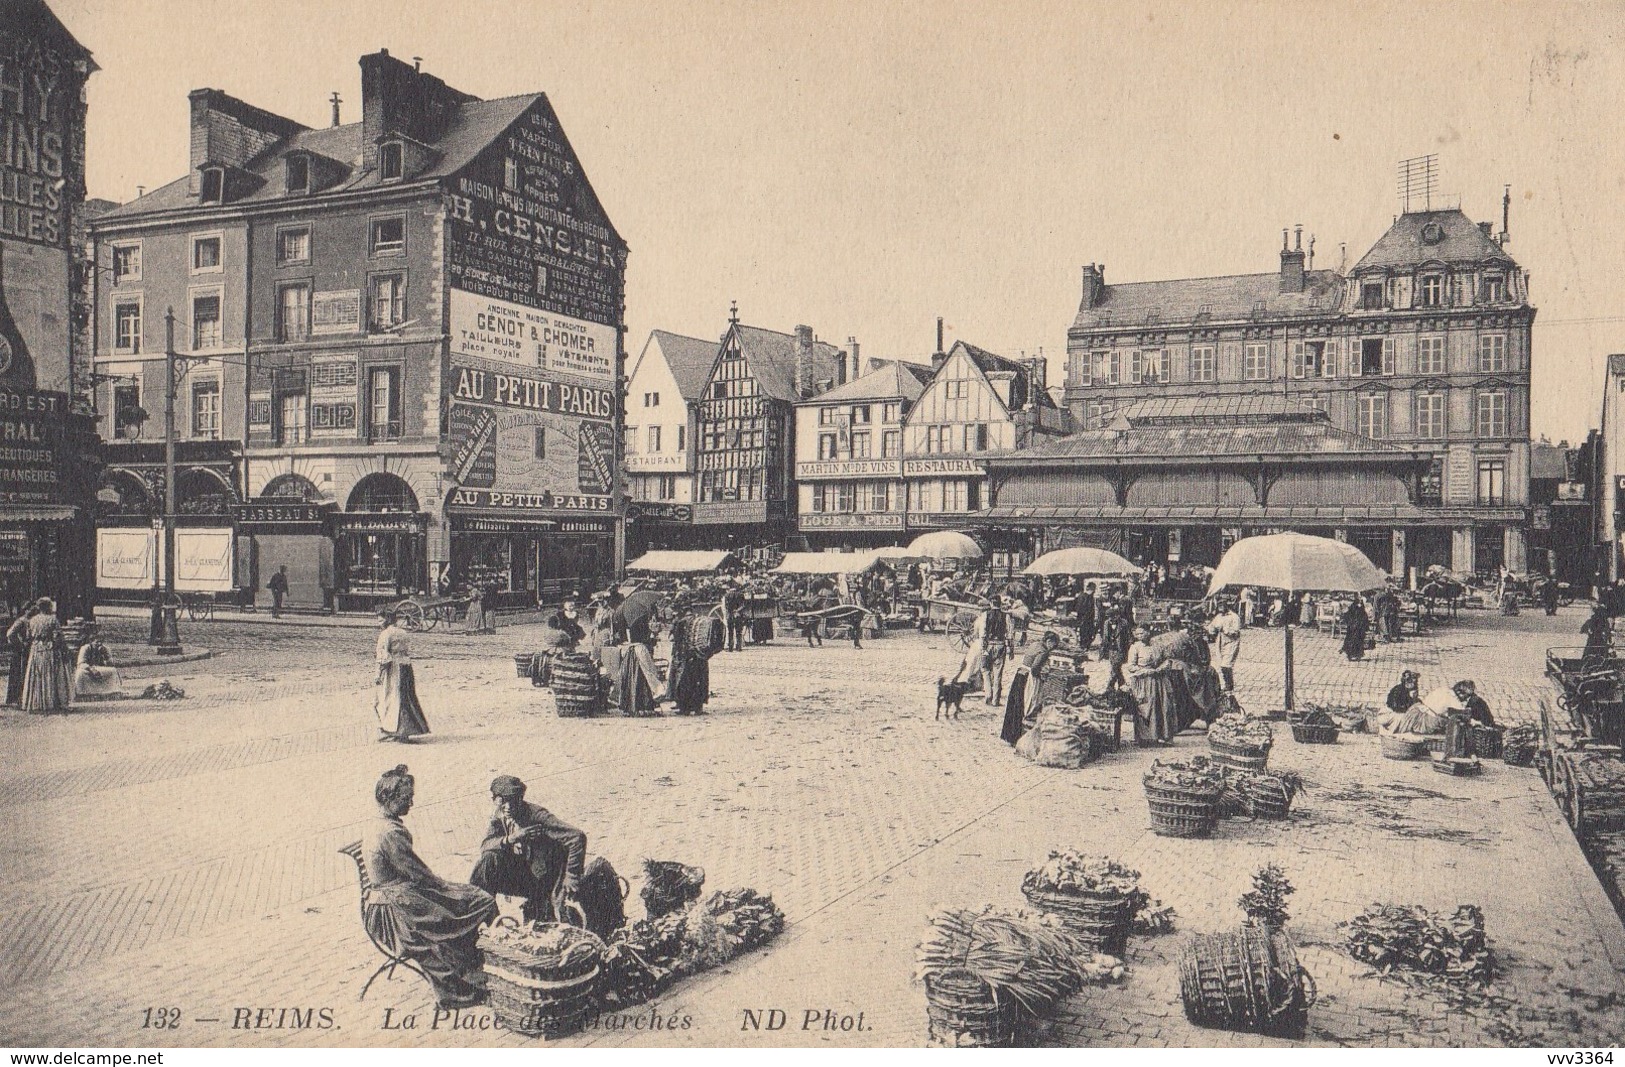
(430, 921)
(95, 677)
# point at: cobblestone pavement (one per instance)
(185, 854)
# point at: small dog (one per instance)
(949, 694)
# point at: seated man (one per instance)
(432, 922)
(529, 852)
(1477, 709)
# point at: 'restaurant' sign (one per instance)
(942, 466)
(849, 468)
(487, 328)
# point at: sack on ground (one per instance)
(599, 895)
(1061, 738)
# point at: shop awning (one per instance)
(826, 563)
(676, 562)
(39, 513)
(1218, 515)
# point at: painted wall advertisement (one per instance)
(127, 559)
(487, 328)
(524, 227)
(34, 449)
(529, 444)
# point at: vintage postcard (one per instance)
(827, 524)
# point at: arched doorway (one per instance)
(122, 499)
(292, 487)
(382, 543)
(289, 533)
(201, 491)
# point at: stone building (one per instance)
(406, 330)
(1424, 343)
(662, 421)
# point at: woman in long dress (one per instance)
(395, 695)
(96, 678)
(690, 679)
(637, 679)
(1021, 703)
(1157, 719)
(47, 684)
(432, 922)
(1356, 625)
(17, 644)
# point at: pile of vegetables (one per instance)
(163, 691)
(1318, 716)
(1081, 696)
(1408, 941)
(1242, 789)
(566, 943)
(1195, 775)
(649, 956)
(1028, 961)
(1073, 872)
(1238, 729)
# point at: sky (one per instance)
(864, 167)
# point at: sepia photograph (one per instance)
(824, 525)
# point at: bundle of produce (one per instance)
(1240, 741)
(1315, 727)
(644, 959)
(1520, 743)
(1155, 918)
(669, 885)
(1106, 710)
(1094, 897)
(1062, 736)
(542, 978)
(1262, 794)
(163, 691)
(1249, 980)
(1407, 940)
(984, 969)
(1265, 902)
(748, 918)
(1184, 796)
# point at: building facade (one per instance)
(414, 321)
(977, 404)
(850, 491)
(1424, 343)
(48, 450)
(662, 399)
(1180, 480)
(1608, 475)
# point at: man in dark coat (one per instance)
(1084, 605)
(1548, 595)
(1116, 634)
(529, 852)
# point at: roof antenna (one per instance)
(417, 64)
(335, 100)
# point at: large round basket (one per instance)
(1520, 754)
(1403, 747)
(1182, 813)
(1109, 721)
(1308, 733)
(962, 1011)
(576, 690)
(522, 664)
(1254, 760)
(1100, 920)
(545, 994)
(1249, 980)
(1487, 741)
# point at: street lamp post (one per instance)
(169, 643)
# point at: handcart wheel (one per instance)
(411, 615)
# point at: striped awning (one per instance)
(11, 516)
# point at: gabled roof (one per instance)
(689, 359)
(1447, 236)
(993, 363)
(772, 359)
(894, 381)
(473, 128)
(33, 18)
(1132, 305)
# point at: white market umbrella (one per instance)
(944, 544)
(1083, 562)
(1297, 563)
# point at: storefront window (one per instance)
(489, 561)
(381, 563)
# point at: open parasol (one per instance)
(944, 544)
(1082, 562)
(638, 606)
(1297, 563)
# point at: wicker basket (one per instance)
(1261, 795)
(1397, 746)
(1435, 743)
(962, 1011)
(1307, 733)
(577, 693)
(1520, 755)
(1109, 721)
(1240, 762)
(1182, 813)
(521, 664)
(1487, 741)
(1100, 920)
(1459, 768)
(1249, 980)
(547, 994)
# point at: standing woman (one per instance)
(1599, 636)
(395, 695)
(690, 677)
(17, 643)
(47, 681)
(1157, 720)
(1356, 624)
(1022, 702)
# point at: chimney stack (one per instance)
(399, 98)
(227, 132)
(806, 370)
(855, 370)
(1485, 228)
(335, 101)
(1292, 264)
(1094, 284)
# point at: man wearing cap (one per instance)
(529, 852)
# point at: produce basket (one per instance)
(576, 690)
(1459, 767)
(1100, 920)
(522, 663)
(1519, 745)
(1109, 721)
(1403, 746)
(542, 979)
(1249, 980)
(1260, 794)
(1240, 757)
(1435, 743)
(962, 1011)
(1240, 742)
(1308, 733)
(1182, 813)
(1487, 741)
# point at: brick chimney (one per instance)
(397, 97)
(227, 132)
(1094, 286)
(855, 365)
(806, 365)
(939, 357)
(1292, 264)
(1037, 378)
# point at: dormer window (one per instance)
(297, 173)
(391, 161)
(214, 185)
(1430, 294)
(1371, 296)
(1495, 288)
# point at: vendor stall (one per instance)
(681, 562)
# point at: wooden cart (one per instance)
(418, 614)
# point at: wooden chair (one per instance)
(391, 952)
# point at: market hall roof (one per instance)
(773, 356)
(1137, 305)
(690, 360)
(894, 380)
(1418, 237)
